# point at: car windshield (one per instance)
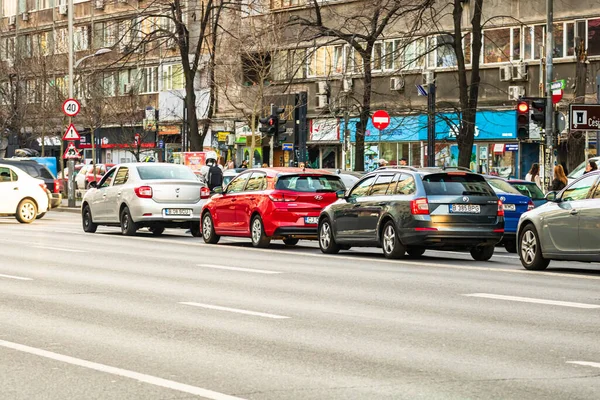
(501, 186)
(456, 184)
(579, 171)
(348, 180)
(163, 171)
(310, 183)
(530, 190)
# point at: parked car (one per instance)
(229, 174)
(529, 189)
(39, 171)
(152, 195)
(87, 175)
(409, 210)
(349, 178)
(580, 169)
(270, 203)
(21, 195)
(565, 228)
(514, 204)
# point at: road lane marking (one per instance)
(59, 249)
(153, 380)
(20, 278)
(585, 363)
(256, 271)
(234, 310)
(532, 300)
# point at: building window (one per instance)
(496, 46)
(45, 4)
(593, 37)
(467, 47)
(109, 33)
(9, 8)
(108, 85)
(442, 51)
(61, 41)
(413, 56)
(377, 56)
(172, 77)
(533, 40)
(149, 80)
(82, 38)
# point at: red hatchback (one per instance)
(270, 203)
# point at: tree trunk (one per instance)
(576, 140)
(196, 140)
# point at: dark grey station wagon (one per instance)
(408, 210)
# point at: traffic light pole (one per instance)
(549, 153)
(272, 139)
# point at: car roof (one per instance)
(278, 171)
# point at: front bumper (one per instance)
(54, 200)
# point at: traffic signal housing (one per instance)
(523, 119)
(538, 112)
(268, 125)
(281, 129)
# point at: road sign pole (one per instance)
(549, 154)
(598, 100)
(431, 126)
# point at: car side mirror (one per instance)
(93, 184)
(218, 190)
(341, 194)
(551, 196)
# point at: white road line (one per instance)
(153, 380)
(531, 300)
(585, 363)
(20, 278)
(256, 271)
(234, 310)
(60, 249)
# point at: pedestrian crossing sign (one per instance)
(71, 152)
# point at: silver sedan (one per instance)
(151, 195)
(567, 227)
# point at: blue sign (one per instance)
(511, 147)
(161, 144)
(401, 129)
(287, 146)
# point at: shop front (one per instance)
(323, 144)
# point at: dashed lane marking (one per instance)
(19, 278)
(256, 271)
(234, 310)
(532, 300)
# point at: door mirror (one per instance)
(218, 190)
(551, 196)
(94, 184)
(341, 194)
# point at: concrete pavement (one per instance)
(283, 323)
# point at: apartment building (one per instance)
(331, 72)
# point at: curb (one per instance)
(75, 210)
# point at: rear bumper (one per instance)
(306, 232)
(146, 211)
(453, 238)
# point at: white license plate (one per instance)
(311, 220)
(178, 211)
(509, 207)
(466, 208)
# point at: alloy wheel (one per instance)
(529, 247)
(256, 230)
(325, 235)
(206, 227)
(389, 239)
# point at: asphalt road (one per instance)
(102, 316)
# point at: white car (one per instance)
(21, 195)
(150, 195)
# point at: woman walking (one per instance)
(534, 175)
(560, 179)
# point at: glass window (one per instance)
(389, 55)
(380, 187)
(377, 56)
(7, 175)
(530, 190)
(45, 173)
(307, 183)
(516, 43)
(257, 181)
(559, 38)
(570, 39)
(579, 190)
(467, 45)
(501, 186)
(107, 179)
(122, 176)
(149, 81)
(496, 45)
(533, 41)
(593, 34)
(456, 184)
(363, 187)
(237, 184)
(445, 56)
(163, 171)
(406, 185)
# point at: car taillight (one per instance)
(419, 207)
(143, 192)
(530, 205)
(500, 209)
(57, 186)
(282, 197)
(204, 193)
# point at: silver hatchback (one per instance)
(151, 195)
(567, 227)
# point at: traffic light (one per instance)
(523, 119)
(268, 125)
(281, 129)
(538, 112)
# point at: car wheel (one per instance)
(26, 211)
(390, 242)
(530, 251)
(326, 240)
(482, 253)
(157, 230)
(195, 229)
(290, 241)
(86, 219)
(208, 230)
(40, 216)
(257, 231)
(511, 246)
(128, 227)
(415, 252)
(345, 247)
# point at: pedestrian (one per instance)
(230, 165)
(382, 163)
(212, 172)
(534, 175)
(560, 179)
(244, 164)
(591, 166)
(265, 165)
(403, 162)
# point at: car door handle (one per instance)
(16, 188)
(383, 203)
(574, 212)
(104, 195)
(118, 194)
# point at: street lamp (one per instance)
(98, 52)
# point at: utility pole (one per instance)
(431, 125)
(549, 153)
(272, 139)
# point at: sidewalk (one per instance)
(64, 207)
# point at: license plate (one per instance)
(311, 220)
(466, 208)
(178, 211)
(509, 207)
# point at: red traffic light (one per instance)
(522, 107)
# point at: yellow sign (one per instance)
(222, 136)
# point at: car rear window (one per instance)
(310, 183)
(45, 173)
(501, 186)
(456, 184)
(148, 172)
(530, 190)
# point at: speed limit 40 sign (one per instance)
(71, 107)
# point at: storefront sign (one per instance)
(324, 130)
(222, 136)
(511, 147)
(169, 130)
(401, 129)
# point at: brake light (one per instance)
(500, 209)
(57, 188)
(530, 205)
(419, 207)
(204, 192)
(282, 197)
(143, 192)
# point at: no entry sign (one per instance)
(381, 119)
